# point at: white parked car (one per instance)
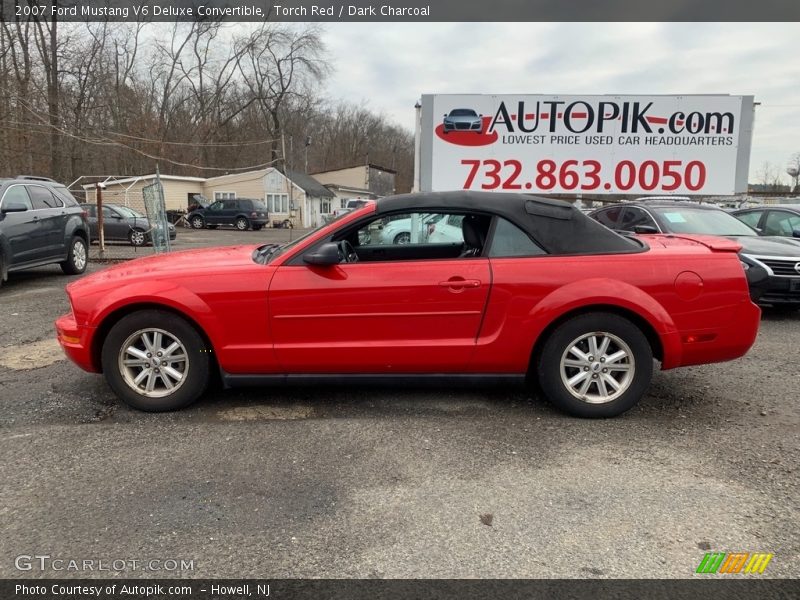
(433, 229)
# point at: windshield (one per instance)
(463, 112)
(127, 212)
(680, 219)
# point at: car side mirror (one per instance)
(645, 229)
(759, 230)
(326, 255)
(12, 207)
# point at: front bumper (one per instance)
(76, 340)
(781, 291)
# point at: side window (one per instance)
(17, 194)
(750, 218)
(65, 195)
(781, 223)
(229, 205)
(91, 210)
(412, 228)
(610, 217)
(510, 240)
(636, 217)
(108, 213)
(43, 198)
(216, 206)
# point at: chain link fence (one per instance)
(127, 231)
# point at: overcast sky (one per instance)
(390, 66)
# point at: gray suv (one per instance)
(40, 224)
(242, 213)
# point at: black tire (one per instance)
(77, 258)
(197, 222)
(242, 224)
(287, 224)
(137, 237)
(402, 238)
(195, 370)
(576, 332)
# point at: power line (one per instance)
(108, 142)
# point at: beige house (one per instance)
(298, 197)
(359, 181)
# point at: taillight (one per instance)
(85, 214)
(253, 214)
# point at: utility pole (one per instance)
(100, 233)
(289, 186)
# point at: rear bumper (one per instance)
(722, 343)
(76, 340)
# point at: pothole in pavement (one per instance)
(31, 356)
(266, 413)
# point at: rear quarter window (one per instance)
(509, 240)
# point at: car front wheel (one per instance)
(77, 257)
(197, 222)
(595, 365)
(136, 237)
(155, 361)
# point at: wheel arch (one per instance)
(115, 315)
(649, 331)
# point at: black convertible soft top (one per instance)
(557, 226)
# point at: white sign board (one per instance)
(689, 145)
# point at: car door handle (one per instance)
(35, 219)
(459, 283)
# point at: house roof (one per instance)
(370, 165)
(311, 186)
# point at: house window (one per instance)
(325, 207)
(224, 195)
(278, 203)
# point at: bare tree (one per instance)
(280, 64)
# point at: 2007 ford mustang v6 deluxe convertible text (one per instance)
(530, 290)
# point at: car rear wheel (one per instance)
(137, 237)
(155, 361)
(402, 238)
(595, 365)
(77, 257)
(197, 222)
(242, 224)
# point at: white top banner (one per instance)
(690, 145)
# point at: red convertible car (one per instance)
(534, 291)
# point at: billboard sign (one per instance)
(688, 145)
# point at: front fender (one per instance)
(157, 293)
(615, 293)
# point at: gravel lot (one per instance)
(369, 482)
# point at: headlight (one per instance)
(745, 266)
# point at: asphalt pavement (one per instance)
(399, 482)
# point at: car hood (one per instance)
(203, 262)
(767, 245)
